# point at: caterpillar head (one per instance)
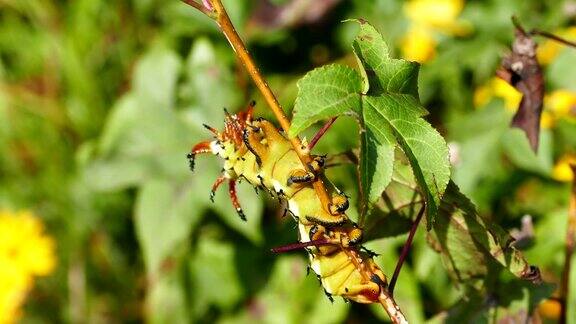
(234, 125)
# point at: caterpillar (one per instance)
(255, 150)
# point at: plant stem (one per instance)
(405, 250)
(570, 244)
(391, 307)
(553, 37)
(221, 17)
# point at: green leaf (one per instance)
(398, 207)
(376, 157)
(210, 85)
(156, 76)
(165, 215)
(140, 141)
(473, 248)
(323, 93)
(290, 296)
(423, 145)
(509, 302)
(382, 73)
(214, 276)
(166, 299)
(518, 149)
(389, 115)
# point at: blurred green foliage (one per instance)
(101, 100)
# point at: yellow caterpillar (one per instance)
(255, 150)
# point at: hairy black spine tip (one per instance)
(329, 295)
(250, 148)
(241, 214)
(252, 103)
(369, 252)
(212, 194)
(191, 162)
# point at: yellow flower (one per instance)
(426, 18)
(418, 45)
(550, 309)
(500, 89)
(557, 105)
(562, 170)
(547, 120)
(550, 49)
(25, 252)
(561, 103)
(439, 14)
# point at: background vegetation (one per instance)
(101, 100)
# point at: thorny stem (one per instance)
(387, 301)
(405, 250)
(570, 245)
(391, 307)
(220, 15)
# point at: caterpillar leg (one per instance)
(215, 186)
(338, 205)
(314, 169)
(300, 176)
(234, 198)
(202, 147)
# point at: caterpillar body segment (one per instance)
(342, 269)
(256, 151)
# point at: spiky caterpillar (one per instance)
(253, 149)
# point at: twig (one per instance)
(220, 15)
(553, 37)
(570, 244)
(405, 250)
(391, 307)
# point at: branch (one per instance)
(553, 37)
(570, 244)
(220, 15)
(391, 307)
